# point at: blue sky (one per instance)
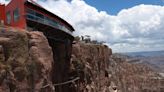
(114, 6)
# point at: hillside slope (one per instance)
(131, 77)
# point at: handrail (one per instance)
(67, 82)
(58, 84)
(63, 83)
(47, 22)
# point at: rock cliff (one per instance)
(129, 77)
(25, 61)
(26, 65)
(90, 62)
(102, 71)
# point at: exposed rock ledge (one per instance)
(26, 65)
(100, 71)
(91, 62)
(25, 61)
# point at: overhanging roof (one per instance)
(34, 4)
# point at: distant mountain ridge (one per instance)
(145, 53)
(154, 59)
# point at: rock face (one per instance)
(90, 62)
(25, 61)
(99, 71)
(26, 65)
(132, 77)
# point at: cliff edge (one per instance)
(26, 65)
(90, 62)
(25, 61)
(101, 71)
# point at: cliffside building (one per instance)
(29, 15)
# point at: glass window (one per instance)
(8, 16)
(30, 14)
(36, 16)
(16, 15)
(30, 11)
(46, 20)
(39, 15)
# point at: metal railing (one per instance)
(47, 22)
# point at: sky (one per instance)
(114, 6)
(125, 25)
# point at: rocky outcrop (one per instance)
(25, 61)
(100, 71)
(90, 62)
(129, 77)
(26, 65)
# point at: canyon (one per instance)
(29, 64)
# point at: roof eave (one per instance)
(37, 5)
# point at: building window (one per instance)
(8, 16)
(16, 15)
(41, 18)
(30, 11)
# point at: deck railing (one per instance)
(48, 22)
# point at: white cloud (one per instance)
(4, 1)
(135, 29)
